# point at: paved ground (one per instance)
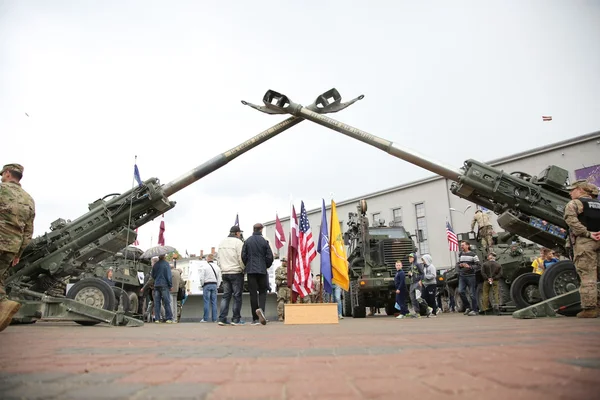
(452, 356)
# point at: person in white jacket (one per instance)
(210, 280)
(429, 282)
(232, 270)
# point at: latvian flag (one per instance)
(546, 118)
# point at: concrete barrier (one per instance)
(193, 309)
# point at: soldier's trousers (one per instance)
(587, 264)
(284, 295)
(5, 262)
(485, 234)
(485, 297)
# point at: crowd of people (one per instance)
(254, 256)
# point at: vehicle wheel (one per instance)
(121, 295)
(346, 304)
(359, 307)
(504, 293)
(558, 279)
(134, 301)
(93, 292)
(524, 290)
(458, 303)
(390, 309)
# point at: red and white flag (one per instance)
(306, 253)
(136, 242)
(546, 118)
(292, 253)
(161, 234)
(279, 235)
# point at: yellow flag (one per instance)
(339, 261)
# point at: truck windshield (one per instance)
(388, 233)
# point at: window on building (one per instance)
(376, 217)
(422, 236)
(397, 216)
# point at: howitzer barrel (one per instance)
(321, 105)
(282, 104)
(222, 159)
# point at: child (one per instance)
(549, 259)
(400, 284)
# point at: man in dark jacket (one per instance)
(467, 265)
(257, 257)
(161, 273)
(491, 272)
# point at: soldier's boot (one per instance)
(280, 319)
(496, 311)
(8, 308)
(588, 313)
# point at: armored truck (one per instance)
(372, 255)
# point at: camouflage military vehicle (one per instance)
(518, 287)
(372, 255)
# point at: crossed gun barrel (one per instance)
(109, 226)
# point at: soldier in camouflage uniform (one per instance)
(485, 229)
(17, 211)
(284, 293)
(582, 214)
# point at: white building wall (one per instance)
(434, 193)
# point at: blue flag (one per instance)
(136, 175)
(237, 220)
(323, 249)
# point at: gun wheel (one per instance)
(134, 301)
(93, 292)
(524, 290)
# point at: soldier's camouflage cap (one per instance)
(585, 186)
(12, 167)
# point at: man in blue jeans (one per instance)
(337, 297)
(161, 273)
(210, 280)
(467, 266)
(232, 269)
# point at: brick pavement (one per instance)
(452, 356)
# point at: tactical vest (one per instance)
(590, 217)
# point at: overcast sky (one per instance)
(104, 81)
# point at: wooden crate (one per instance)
(317, 313)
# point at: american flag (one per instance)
(306, 253)
(546, 118)
(452, 239)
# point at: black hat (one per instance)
(235, 229)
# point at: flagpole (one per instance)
(127, 237)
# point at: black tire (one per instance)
(121, 295)
(504, 288)
(346, 304)
(359, 307)
(458, 303)
(390, 308)
(94, 292)
(558, 279)
(135, 302)
(524, 290)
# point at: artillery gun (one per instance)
(518, 286)
(129, 271)
(518, 198)
(372, 255)
(38, 280)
